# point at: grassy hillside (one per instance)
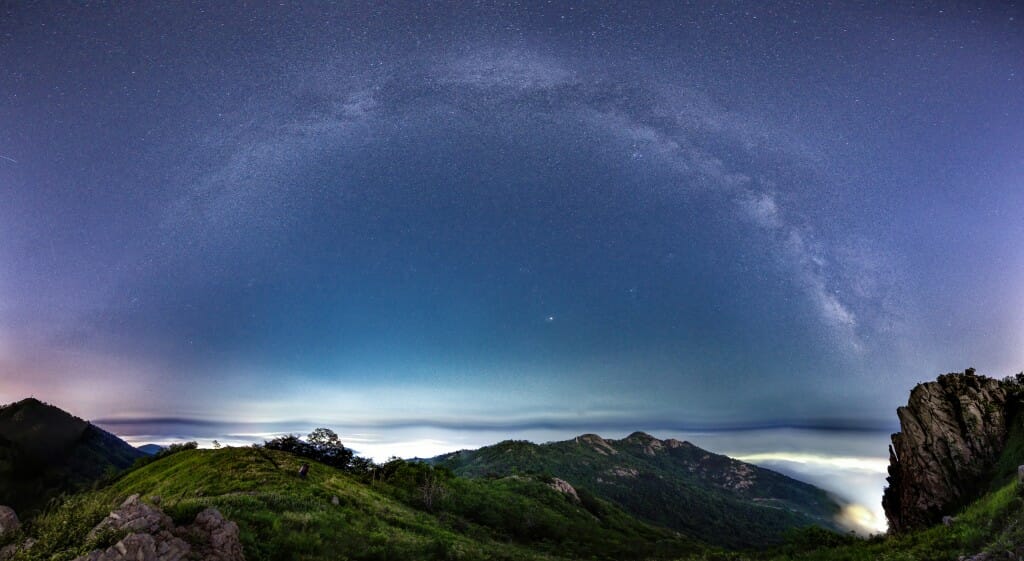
(45, 451)
(994, 524)
(408, 511)
(669, 483)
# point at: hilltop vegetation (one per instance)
(404, 511)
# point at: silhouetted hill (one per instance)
(667, 482)
(150, 449)
(45, 451)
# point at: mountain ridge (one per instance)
(46, 451)
(665, 482)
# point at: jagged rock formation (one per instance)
(952, 431)
(152, 536)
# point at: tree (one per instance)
(291, 443)
(323, 437)
(361, 465)
(322, 445)
(216, 445)
(329, 449)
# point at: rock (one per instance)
(952, 431)
(8, 520)
(153, 536)
(215, 537)
(948, 520)
(564, 487)
(335, 500)
(134, 516)
(648, 444)
(620, 471)
(303, 470)
(1020, 474)
(600, 445)
(141, 547)
(673, 443)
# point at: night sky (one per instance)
(686, 216)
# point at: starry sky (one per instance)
(508, 217)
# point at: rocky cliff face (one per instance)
(952, 432)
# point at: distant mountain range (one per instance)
(45, 451)
(669, 483)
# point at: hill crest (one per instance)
(665, 482)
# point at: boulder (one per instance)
(8, 520)
(133, 516)
(215, 537)
(153, 537)
(142, 547)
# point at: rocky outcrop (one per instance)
(215, 538)
(600, 445)
(648, 444)
(142, 547)
(620, 471)
(152, 536)
(563, 486)
(952, 431)
(9, 524)
(9, 551)
(8, 520)
(133, 516)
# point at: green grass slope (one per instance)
(668, 483)
(407, 511)
(994, 524)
